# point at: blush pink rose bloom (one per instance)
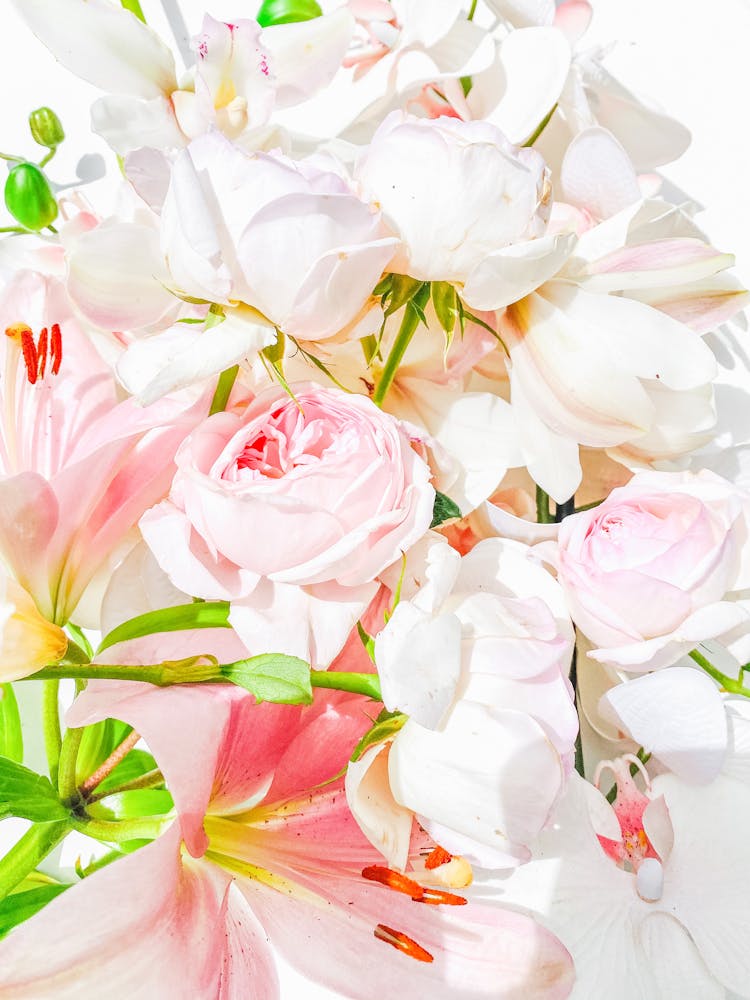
(658, 568)
(303, 490)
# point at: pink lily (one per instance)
(284, 860)
(78, 466)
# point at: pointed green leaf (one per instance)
(444, 510)
(29, 795)
(19, 906)
(11, 738)
(403, 290)
(445, 301)
(274, 677)
(204, 614)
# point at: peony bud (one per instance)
(46, 128)
(29, 198)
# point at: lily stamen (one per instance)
(402, 942)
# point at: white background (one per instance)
(692, 59)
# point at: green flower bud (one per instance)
(46, 127)
(29, 198)
(285, 11)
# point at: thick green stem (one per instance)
(543, 515)
(403, 338)
(223, 390)
(135, 8)
(730, 684)
(51, 727)
(143, 828)
(367, 684)
(160, 674)
(32, 848)
(66, 774)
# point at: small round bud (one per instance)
(286, 11)
(46, 128)
(29, 198)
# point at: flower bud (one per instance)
(286, 11)
(29, 198)
(46, 128)
(28, 641)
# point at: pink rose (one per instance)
(317, 489)
(657, 568)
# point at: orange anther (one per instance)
(41, 351)
(436, 897)
(56, 348)
(402, 943)
(437, 857)
(393, 880)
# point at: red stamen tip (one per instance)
(402, 943)
(438, 897)
(393, 880)
(437, 857)
(30, 356)
(56, 348)
(41, 351)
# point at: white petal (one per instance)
(306, 55)
(385, 823)
(103, 43)
(467, 777)
(507, 275)
(676, 965)
(678, 716)
(129, 123)
(419, 663)
(597, 174)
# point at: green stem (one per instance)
(472, 10)
(13, 159)
(51, 726)
(403, 338)
(45, 159)
(66, 773)
(543, 515)
(32, 848)
(730, 684)
(13, 229)
(223, 390)
(135, 8)
(160, 674)
(540, 127)
(151, 779)
(367, 684)
(117, 832)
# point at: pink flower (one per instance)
(78, 465)
(651, 572)
(285, 861)
(305, 490)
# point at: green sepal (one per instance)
(274, 677)
(28, 795)
(445, 301)
(29, 198)
(386, 726)
(46, 128)
(11, 736)
(19, 906)
(444, 509)
(205, 614)
(367, 641)
(402, 290)
(287, 12)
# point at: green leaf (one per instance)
(386, 726)
(224, 386)
(367, 641)
(11, 738)
(444, 509)
(29, 795)
(274, 677)
(133, 803)
(206, 614)
(19, 906)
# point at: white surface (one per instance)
(691, 59)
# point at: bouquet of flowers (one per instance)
(369, 522)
